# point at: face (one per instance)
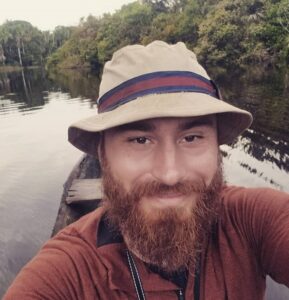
(166, 150)
(163, 176)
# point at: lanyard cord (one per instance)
(138, 285)
(135, 276)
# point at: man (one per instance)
(169, 227)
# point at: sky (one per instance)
(47, 14)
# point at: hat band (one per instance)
(156, 83)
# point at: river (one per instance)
(35, 157)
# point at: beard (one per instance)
(172, 238)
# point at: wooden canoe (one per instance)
(82, 194)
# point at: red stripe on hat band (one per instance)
(113, 98)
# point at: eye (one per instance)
(139, 140)
(191, 138)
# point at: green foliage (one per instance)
(244, 31)
(96, 39)
(127, 26)
(23, 44)
(162, 28)
(224, 32)
(20, 43)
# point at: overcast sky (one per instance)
(47, 14)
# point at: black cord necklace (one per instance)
(137, 280)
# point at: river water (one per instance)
(35, 157)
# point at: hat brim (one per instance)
(231, 120)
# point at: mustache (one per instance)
(156, 188)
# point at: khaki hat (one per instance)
(157, 80)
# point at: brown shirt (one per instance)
(85, 261)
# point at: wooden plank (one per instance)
(84, 190)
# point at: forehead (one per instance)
(180, 123)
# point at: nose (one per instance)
(167, 167)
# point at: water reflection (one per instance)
(264, 92)
(22, 90)
(266, 149)
(263, 149)
(248, 164)
(27, 90)
(78, 83)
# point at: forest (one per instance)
(222, 33)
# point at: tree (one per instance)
(16, 38)
(60, 35)
(2, 56)
(127, 26)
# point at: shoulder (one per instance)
(234, 197)
(245, 192)
(246, 207)
(258, 219)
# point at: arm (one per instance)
(262, 216)
(274, 244)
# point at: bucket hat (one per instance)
(157, 80)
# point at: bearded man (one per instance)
(169, 228)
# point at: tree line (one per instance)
(24, 45)
(221, 32)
